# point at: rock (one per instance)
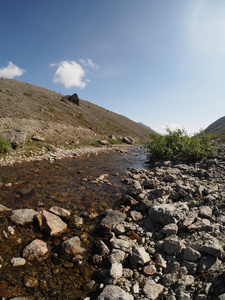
(168, 213)
(213, 247)
(17, 261)
(112, 292)
(209, 264)
(112, 218)
(36, 250)
(26, 192)
(103, 142)
(104, 250)
(128, 140)
(38, 138)
(191, 255)
(172, 245)
(139, 256)
(205, 212)
(169, 279)
(171, 228)
(72, 247)
(117, 256)
(3, 208)
(136, 215)
(17, 137)
(186, 280)
(151, 289)
(116, 270)
(122, 245)
(61, 212)
(51, 224)
(149, 270)
(74, 99)
(30, 281)
(23, 216)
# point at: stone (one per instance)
(61, 212)
(4, 208)
(128, 140)
(103, 248)
(136, 215)
(116, 270)
(30, 281)
(191, 255)
(209, 263)
(140, 256)
(168, 213)
(151, 289)
(51, 224)
(17, 261)
(149, 270)
(112, 292)
(77, 221)
(169, 279)
(172, 245)
(72, 247)
(170, 229)
(213, 247)
(23, 216)
(128, 273)
(112, 218)
(122, 245)
(117, 256)
(36, 250)
(205, 212)
(186, 280)
(38, 138)
(17, 137)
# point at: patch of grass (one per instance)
(5, 145)
(51, 109)
(96, 143)
(113, 142)
(81, 116)
(177, 145)
(27, 94)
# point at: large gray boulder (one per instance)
(168, 213)
(112, 292)
(51, 224)
(23, 216)
(112, 218)
(72, 247)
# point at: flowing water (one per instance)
(68, 183)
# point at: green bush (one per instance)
(5, 146)
(177, 145)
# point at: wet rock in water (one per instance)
(51, 224)
(61, 212)
(18, 261)
(23, 216)
(77, 221)
(112, 218)
(72, 247)
(26, 192)
(112, 292)
(30, 281)
(4, 208)
(36, 251)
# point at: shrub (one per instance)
(177, 145)
(5, 145)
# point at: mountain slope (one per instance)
(41, 112)
(217, 127)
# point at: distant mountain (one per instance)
(217, 127)
(142, 124)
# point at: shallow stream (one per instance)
(68, 183)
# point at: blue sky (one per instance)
(156, 62)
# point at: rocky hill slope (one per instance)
(44, 117)
(217, 127)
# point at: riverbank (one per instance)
(20, 156)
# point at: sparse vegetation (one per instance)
(5, 146)
(177, 145)
(96, 143)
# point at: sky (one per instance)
(156, 62)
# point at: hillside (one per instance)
(217, 127)
(41, 112)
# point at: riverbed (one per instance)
(88, 184)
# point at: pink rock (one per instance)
(72, 246)
(51, 224)
(36, 250)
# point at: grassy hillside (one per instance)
(41, 112)
(217, 127)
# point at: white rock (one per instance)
(18, 261)
(116, 270)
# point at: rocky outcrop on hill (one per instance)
(171, 242)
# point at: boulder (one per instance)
(151, 289)
(61, 212)
(17, 137)
(168, 213)
(173, 245)
(36, 250)
(112, 218)
(128, 140)
(112, 292)
(51, 224)
(72, 247)
(23, 216)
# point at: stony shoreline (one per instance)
(167, 240)
(19, 156)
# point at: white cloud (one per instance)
(162, 128)
(11, 71)
(72, 74)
